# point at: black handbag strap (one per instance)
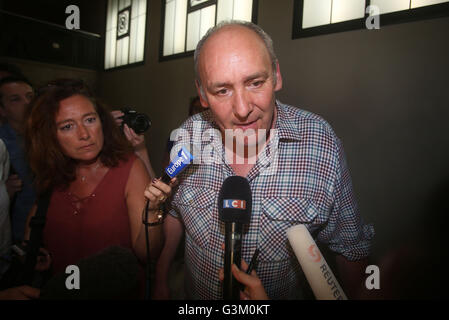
(37, 224)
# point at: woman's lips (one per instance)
(86, 146)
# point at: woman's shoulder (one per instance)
(126, 161)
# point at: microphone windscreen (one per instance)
(235, 200)
(112, 273)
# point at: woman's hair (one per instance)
(53, 169)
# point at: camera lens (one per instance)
(141, 123)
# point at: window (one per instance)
(125, 32)
(315, 17)
(186, 21)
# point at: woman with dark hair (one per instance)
(98, 185)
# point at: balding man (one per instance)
(291, 158)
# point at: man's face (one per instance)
(15, 98)
(237, 80)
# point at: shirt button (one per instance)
(93, 195)
(310, 211)
(75, 213)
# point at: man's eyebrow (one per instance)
(256, 75)
(219, 84)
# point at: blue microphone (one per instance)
(183, 159)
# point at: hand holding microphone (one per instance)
(253, 287)
(160, 189)
(318, 273)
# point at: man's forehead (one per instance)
(230, 44)
(235, 34)
(14, 87)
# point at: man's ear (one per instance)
(278, 78)
(201, 94)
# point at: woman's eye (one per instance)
(66, 127)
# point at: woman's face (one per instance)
(78, 129)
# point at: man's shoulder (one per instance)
(303, 121)
(203, 120)
(4, 130)
(8, 135)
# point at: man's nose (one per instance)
(241, 104)
(28, 100)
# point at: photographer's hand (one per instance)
(137, 141)
(117, 114)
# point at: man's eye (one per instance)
(257, 84)
(91, 119)
(222, 91)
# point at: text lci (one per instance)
(234, 204)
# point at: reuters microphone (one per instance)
(234, 208)
(318, 273)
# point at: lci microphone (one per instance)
(175, 167)
(234, 208)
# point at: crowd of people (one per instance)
(60, 141)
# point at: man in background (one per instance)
(16, 93)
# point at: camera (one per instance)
(139, 122)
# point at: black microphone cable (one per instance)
(147, 241)
(166, 179)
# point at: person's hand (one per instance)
(116, 114)
(157, 192)
(13, 185)
(20, 293)
(43, 262)
(136, 140)
(254, 289)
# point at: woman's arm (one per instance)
(138, 190)
(137, 181)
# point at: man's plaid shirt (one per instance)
(301, 178)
